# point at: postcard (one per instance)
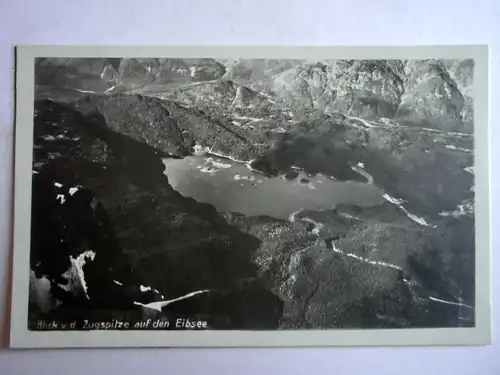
(225, 196)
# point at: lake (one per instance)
(232, 187)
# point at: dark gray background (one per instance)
(243, 22)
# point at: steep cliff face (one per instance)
(368, 89)
(365, 88)
(462, 72)
(431, 97)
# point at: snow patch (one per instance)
(145, 288)
(387, 122)
(465, 208)
(200, 150)
(399, 202)
(75, 274)
(160, 304)
(61, 198)
(364, 122)
(415, 218)
(348, 216)
(219, 164)
(365, 260)
(450, 303)
(292, 217)
(57, 184)
(117, 282)
(363, 172)
(73, 190)
(317, 226)
(40, 294)
(208, 170)
(246, 118)
(84, 91)
(452, 147)
(392, 200)
(238, 177)
(279, 129)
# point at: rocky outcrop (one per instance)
(224, 96)
(365, 88)
(368, 88)
(420, 92)
(256, 72)
(462, 72)
(431, 97)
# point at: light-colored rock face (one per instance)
(462, 72)
(356, 88)
(331, 86)
(367, 89)
(430, 93)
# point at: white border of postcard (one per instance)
(21, 337)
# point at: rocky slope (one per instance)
(431, 97)
(407, 262)
(429, 93)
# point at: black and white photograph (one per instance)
(181, 193)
